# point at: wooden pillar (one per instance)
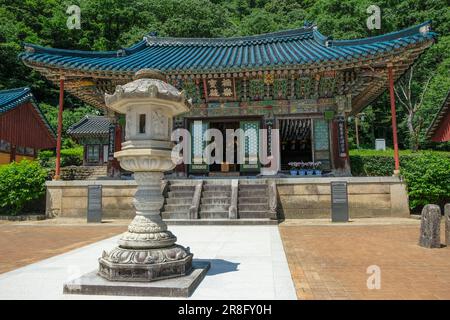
(394, 119)
(340, 146)
(12, 154)
(60, 119)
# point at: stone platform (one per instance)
(298, 197)
(92, 284)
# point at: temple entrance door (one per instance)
(295, 141)
(197, 129)
(225, 168)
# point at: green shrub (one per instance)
(427, 176)
(427, 173)
(20, 184)
(72, 157)
(46, 158)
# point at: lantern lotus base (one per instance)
(145, 265)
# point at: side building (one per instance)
(23, 127)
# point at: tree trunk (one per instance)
(413, 141)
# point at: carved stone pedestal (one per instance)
(147, 251)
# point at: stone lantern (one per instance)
(147, 251)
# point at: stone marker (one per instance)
(430, 227)
(447, 224)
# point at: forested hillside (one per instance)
(111, 24)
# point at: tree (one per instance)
(413, 103)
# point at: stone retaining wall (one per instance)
(298, 197)
(367, 197)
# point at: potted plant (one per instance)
(302, 167)
(293, 168)
(309, 168)
(317, 170)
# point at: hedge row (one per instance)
(69, 157)
(427, 173)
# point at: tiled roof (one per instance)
(293, 47)
(12, 98)
(9, 99)
(90, 125)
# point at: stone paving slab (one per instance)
(331, 261)
(247, 262)
(22, 243)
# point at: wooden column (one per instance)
(12, 154)
(60, 119)
(394, 119)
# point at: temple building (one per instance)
(299, 81)
(92, 132)
(439, 130)
(23, 127)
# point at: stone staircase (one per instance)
(224, 201)
(178, 201)
(98, 172)
(253, 201)
(215, 201)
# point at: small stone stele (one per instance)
(447, 224)
(430, 227)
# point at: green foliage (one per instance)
(427, 173)
(72, 157)
(46, 158)
(20, 184)
(427, 176)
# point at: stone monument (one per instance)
(447, 224)
(430, 227)
(147, 252)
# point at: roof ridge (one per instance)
(26, 89)
(276, 34)
(386, 36)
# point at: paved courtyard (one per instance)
(330, 261)
(319, 260)
(247, 262)
(24, 243)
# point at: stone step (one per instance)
(175, 215)
(252, 207)
(216, 187)
(252, 187)
(182, 188)
(181, 194)
(251, 200)
(177, 200)
(216, 194)
(214, 215)
(254, 215)
(177, 207)
(215, 201)
(214, 207)
(253, 193)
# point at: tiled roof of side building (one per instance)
(12, 98)
(292, 47)
(90, 125)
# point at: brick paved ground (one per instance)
(330, 262)
(27, 242)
